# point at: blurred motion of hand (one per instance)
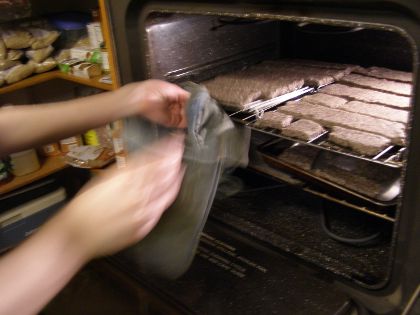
(121, 206)
(159, 101)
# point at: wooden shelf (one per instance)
(32, 80)
(51, 75)
(49, 166)
(52, 165)
(94, 82)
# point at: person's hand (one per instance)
(122, 206)
(159, 101)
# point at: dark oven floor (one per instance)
(288, 219)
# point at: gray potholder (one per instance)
(213, 142)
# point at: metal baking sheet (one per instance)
(389, 190)
(380, 212)
(391, 157)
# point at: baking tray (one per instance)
(380, 212)
(390, 157)
(387, 186)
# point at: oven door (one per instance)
(233, 274)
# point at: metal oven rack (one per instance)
(391, 156)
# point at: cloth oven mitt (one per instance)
(213, 142)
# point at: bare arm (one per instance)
(26, 126)
(95, 223)
(32, 125)
(110, 213)
(33, 273)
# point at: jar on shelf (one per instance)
(51, 149)
(24, 162)
(68, 143)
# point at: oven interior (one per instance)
(350, 236)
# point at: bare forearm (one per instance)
(22, 127)
(27, 126)
(37, 270)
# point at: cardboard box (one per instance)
(91, 55)
(87, 70)
(96, 38)
(105, 60)
(82, 53)
(66, 65)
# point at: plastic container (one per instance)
(67, 144)
(99, 137)
(24, 162)
(91, 137)
(52, 149)
(72, 26)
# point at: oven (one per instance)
(283, 238)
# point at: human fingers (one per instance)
(179, 108)
(170, 194)
(152, 171)
(154, 210)
(166, 107)
(162, 167)
(177, 116)
(167, 148)
(164, 179)
(153, 168)
(118, 217)
(147, 212)
(174, 93)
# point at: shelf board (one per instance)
(94, 82)
(49, 166)
(32, 80)
(55, 74)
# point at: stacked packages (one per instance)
(24, 51)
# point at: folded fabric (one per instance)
(213, 143)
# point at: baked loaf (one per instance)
(385, 73)
(358, 141)
(325, 100)
(355, 175)
(303, 129)
(301, 156)
(378, 111)
(363, 178)
(378, 84)
(274, 120)
(272, 78)
(241, 88)
(366, 95)
(329, 117)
